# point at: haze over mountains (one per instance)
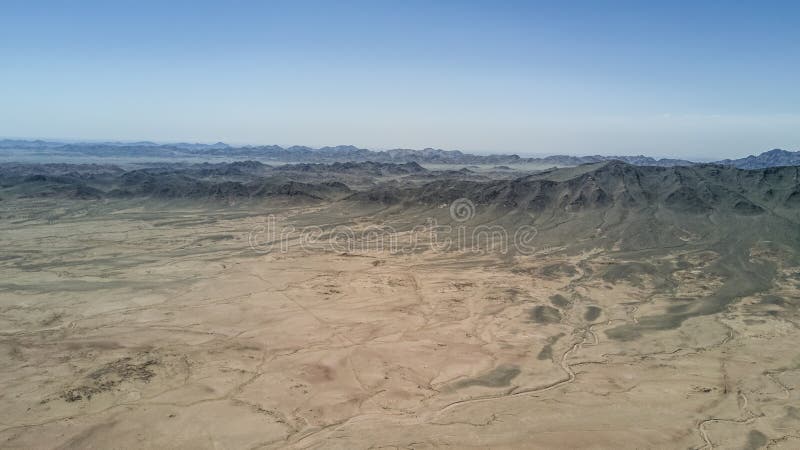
(344, 153)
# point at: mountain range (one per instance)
(349, 153)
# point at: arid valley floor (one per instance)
(158, 324)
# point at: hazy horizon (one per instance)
(287, 145)
(681, 80)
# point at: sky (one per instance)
(697, 80)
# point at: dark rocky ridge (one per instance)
(243, 179)
(240, 179)
(690, 190)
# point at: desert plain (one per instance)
(174, 325)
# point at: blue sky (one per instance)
(685, 79)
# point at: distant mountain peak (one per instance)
(771, 158)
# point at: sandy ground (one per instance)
(148, 328)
